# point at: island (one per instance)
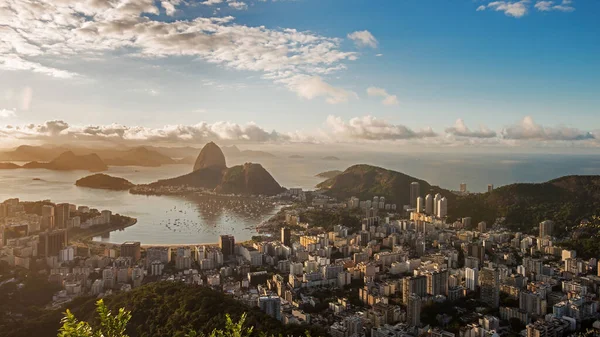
(67, 161)
(331, 158)
(104, 181)
(295, 156)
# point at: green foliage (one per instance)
(330, 218)
(110, 325)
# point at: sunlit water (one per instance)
(186, 220)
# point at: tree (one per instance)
(110, 325)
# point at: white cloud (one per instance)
(6, 113)
(311, 87)
(515, 9)
(460, 129)
(547, 6)
(239, 5)
(387, 98)
(363, 38)
(371, 128)
(527, 129)
(67, 29)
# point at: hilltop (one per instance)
(329, 174)
(366, 181)
(104, 181)
(140, 156)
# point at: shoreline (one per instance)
(87, 235)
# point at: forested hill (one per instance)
(566, 201)
(164, 309)
(366, 181)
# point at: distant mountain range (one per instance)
(148, 156)
(67, 161)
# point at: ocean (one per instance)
(193, 220)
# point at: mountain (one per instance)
(329, 174)
(32, 153)
(251, 179)
(210, 172)
(366, 181)
(67, 161)
(104, 181)
(211, 157)
(330, 158)
(141, 156)
(160, 309)
(566, 201)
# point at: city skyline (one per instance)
(297, 72)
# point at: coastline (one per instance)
(86, 235)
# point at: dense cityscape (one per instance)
(395, 271)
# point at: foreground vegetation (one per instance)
(168, 309)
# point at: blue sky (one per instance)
(527, 71)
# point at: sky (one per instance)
(449, 74)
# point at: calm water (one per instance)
(163, 220)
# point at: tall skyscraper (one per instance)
(463, 188)
(132, 250)
(415, 192)
(482, 227)
(490, 188)
(489, 285)
(227, 245)
(413, 310)
(414, 285)
(428, 204)
(62, 214)
(420, 204)
(471, 278)
(546, 228)
(271, 305)
(437, 283)
(436, 199)
(52, 242)
(442, 208)
(286, 236)
(48, 217)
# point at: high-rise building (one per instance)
(471, 278)
(437, 283)
(489, 284)
(62, 214)
(490, 188)
(482, 227)
(286, 236)
(48, 217)
(227, 245)
(463, 188)
(271, 305)
(52, 242)
(546, 228)
(442, 208)
(414, 285)
(428, 204)
(132, 250)
(420, 204)
(415, 192)
(413, 310)
(436, 199)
